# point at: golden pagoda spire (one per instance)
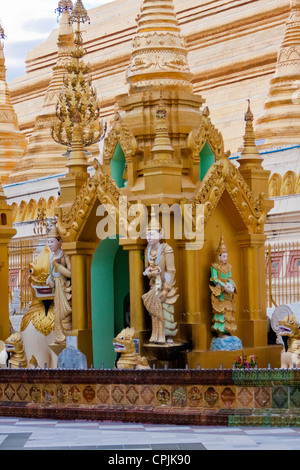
(65, 43)
(250, 161)
(78, 112)
(162, 149)
(280, 122)
(250, 155)
(43, 156)
(159, 56)
(12, 141)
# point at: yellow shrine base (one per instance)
(267, 356)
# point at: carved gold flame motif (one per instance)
(78, 122)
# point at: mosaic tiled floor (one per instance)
(33, 434)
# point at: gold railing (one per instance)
(283, 273)
(21, 254)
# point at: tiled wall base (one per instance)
(262, 397)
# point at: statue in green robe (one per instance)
(223, 290)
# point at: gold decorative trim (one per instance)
(223, 175)
(119, 133)
(206, 133)
(100, 186)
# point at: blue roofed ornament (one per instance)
(64, 5)
(2, 34)
(79, 14)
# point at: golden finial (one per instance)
(78, 122)
(154, 223)
(222, 248)
(79, 14)
(249, 138)
(64, 5)
(2, 34)
(250, 151)
(249, 114)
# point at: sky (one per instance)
(26, 24)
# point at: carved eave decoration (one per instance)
(119, 133)
(224, 176)
(99, 187)
(206, 132)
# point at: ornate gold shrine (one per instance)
(162, 132)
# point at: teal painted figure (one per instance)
(223, 290)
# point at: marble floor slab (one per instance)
(33, 434)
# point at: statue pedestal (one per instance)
(265, 356)
(167, 354)
(226, 343)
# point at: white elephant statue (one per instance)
(37, 331)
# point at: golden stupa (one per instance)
(279, 123)
(12, 141)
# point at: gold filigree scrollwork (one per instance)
(206, 133)
(78, 123)
(223, 175)
(100, 186)
(119, 133)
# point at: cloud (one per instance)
(39, 26)
(15, 56)
(27, 24)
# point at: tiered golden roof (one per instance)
(159, 55)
